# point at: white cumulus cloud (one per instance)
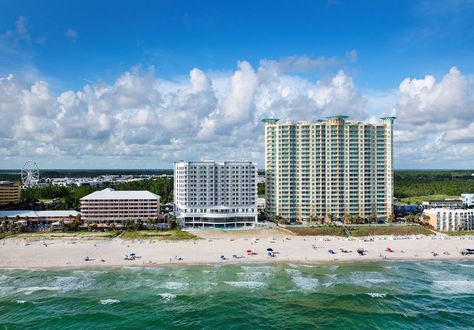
(142, 120)
(436, 116)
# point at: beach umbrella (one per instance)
(132, 254)
(249, 251)
(270, 249)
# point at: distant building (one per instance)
(396, 202)
(329, 168)
(444, 219)
(404, 210)
(260, 204)
(38, 220)
(117, 206)
(209, 193)
(468, 199)
(9, 192)
(444, 203)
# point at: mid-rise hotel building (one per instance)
(329, 168)
(117, 206)
(445, 219)
(9, 192)
(209, 193)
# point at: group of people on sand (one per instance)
(89, 259)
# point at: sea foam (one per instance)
(109, 301)
(305, 283)
(167, 297)
(376, 295)
(30, 290)
(246, 284)
(455, 286)
(173, 285)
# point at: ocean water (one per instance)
(391, 295)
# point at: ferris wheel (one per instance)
(30, 174)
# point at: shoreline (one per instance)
(67, 253)
(235, 263)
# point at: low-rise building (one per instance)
(116, 206)
(407, 209)
(444, 219)
(468, 199)
(9, 192)
(37, 220)
(217, 194)
(443, 203)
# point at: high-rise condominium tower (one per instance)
(209, 193)
(329, 168)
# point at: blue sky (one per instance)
(56, 48)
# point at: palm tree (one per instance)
(150, 222)
(75, 225)
(372, 218)
(329, 218)
(172, 223)
(426, 218)
(137, 224)
(277, 218)
(312, 219)
(391, 218)
(348, 218)
(411, 219)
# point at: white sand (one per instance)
(14, 253)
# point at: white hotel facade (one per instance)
(117, 206)
(217, 194)
(329, 168)
(444, 219)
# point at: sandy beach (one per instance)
(65, 252)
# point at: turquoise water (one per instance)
(436, 295)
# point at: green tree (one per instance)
(278, 219)
(150, 222)
(372, 218)
(172, 223)
(348, 219)
(411, 219)
(330, 218)
(391, 218)
(137, 224)
(426, 218)
(75, 225)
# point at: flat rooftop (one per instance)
(111, 194)
(37, 214)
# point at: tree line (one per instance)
(408, 183)
(69, 197)
(434, 182)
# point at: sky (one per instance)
(141, 84)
